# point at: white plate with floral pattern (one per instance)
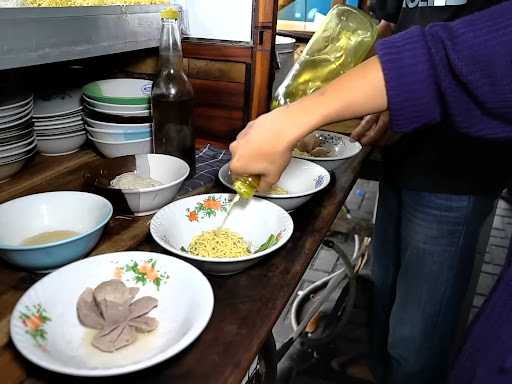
(264, 226)
(46, 330)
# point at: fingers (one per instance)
(244, 131)
(366, 124)
(266, 183)
(378, 131)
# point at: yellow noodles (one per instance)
(219, 243)
(278, 190)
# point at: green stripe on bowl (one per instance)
(94, 91)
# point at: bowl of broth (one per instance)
(45, 231)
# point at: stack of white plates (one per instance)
(17, 140)
(119, 116)
(58, 122)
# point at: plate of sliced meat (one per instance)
(112, 314)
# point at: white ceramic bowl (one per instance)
(57, 118)
(174, 226)
(119, 91)
(302, 179)
(342, 147)
(21, 218)
(18, 154)
(57, 102)
(19, 115)
(113, 126)
(62, 144)
(16, 136)
(16, 107)
(116, 107)
(57, 123)
(119, 135)
(112, 149)
(9, 169)
(170, 171)
(59, 131)
(185, 304)
(78, 123)
(145, 112)
(11, 124)
(10, 149)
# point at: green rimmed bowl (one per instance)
(119, 91)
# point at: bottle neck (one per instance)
(171, 56)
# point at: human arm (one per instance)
(264, 147)
(460, 70)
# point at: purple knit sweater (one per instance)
(459, 71)
(486, 357)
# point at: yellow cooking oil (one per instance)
(246, 186)
(344, 39)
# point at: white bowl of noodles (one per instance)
(298, 183)
(262, 226)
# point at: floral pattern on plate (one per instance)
(327, 138)
(319, 181)
(142, 274)
(207, 208)
(34, 320)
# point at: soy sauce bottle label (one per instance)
(172, 97)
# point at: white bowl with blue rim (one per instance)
(83, 213)
(263, 225)
(119, 135)
(340, 148)
(300, 180)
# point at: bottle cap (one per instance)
(170, 13)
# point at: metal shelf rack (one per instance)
(32, 36)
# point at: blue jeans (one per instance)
(423, 253)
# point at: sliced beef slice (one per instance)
(121, 336)
(133, 292)
(142, 306)
(114, 313)
(144, 324)
(113, 290)
(88, 313)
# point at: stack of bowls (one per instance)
(17, 140)
(118, 116)
(58, 122)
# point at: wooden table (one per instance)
(247, 305)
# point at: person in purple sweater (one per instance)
(434, 196)
(458, 77)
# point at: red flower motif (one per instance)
(193, 216)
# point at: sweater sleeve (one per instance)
(459, 72)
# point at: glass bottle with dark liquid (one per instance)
(172, 97)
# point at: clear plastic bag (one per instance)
(344, 40)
